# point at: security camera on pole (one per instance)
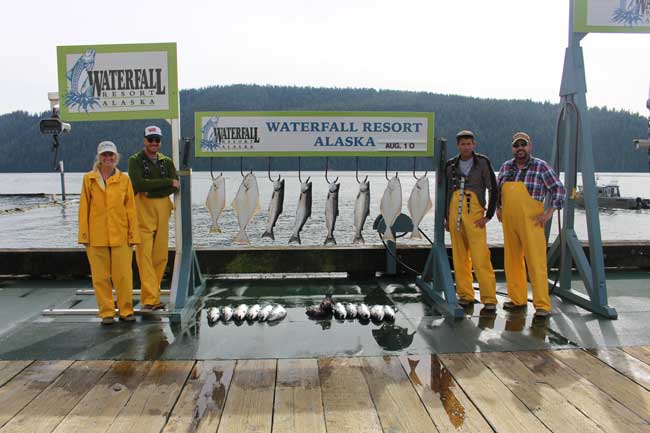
(55, 126)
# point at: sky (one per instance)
(505, 49)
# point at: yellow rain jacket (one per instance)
(107, 215)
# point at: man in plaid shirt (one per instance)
(524, 182)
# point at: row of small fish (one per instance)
(361, 311)
(270, 313)
(247, 204)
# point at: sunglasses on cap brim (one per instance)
(520, 143)
(153, 139)
(108, 153)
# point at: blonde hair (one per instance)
(97, 164)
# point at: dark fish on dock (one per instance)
(361, 211)
(331, 212)
(303, 212)
(275, 208)
(327, 303)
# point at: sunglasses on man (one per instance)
(519, 144)
(153, 140)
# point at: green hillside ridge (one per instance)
(492, 120)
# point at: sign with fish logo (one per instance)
(283, 133)
(611, 16)
(118, 82)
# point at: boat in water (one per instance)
(609, 197)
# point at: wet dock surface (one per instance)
(503, 372)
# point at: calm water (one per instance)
(36, 222)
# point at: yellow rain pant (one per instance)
(524, 245)
(112, 263)
(151, 253)
(469, 247)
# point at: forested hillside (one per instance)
(493, 121)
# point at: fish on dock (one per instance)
(303, 212)
(363, 312)
(275, 208)
(389, 313)
(246, 205)
(213, 315)
(216, 201)
(240, 312)
(226, 313)
(339, 311)
(253, 312)
(377, 313)
(277, 313)
(351, 311)
(265, 312)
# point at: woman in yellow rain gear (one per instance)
(524, 182)
(108, 227)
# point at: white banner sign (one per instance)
(313, 134)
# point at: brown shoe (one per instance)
(130, 318)
(107, 320)
(465, 302)
(152, 307)
(489, 307)
(512, 306)
(542, 313)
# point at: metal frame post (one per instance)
(436, 279)
(187, 283)
(574, 146)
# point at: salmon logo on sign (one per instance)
(118, 82)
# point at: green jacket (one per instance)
(153, 183)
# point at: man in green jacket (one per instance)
(154, 178)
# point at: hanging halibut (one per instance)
(331, 212)
(246, 205)
(275, 208)
(303, 212)
(361, 211)
(391, 205)
(216, 201)
(419, 204)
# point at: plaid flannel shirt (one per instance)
(539, 179)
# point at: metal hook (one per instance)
(418, 178)
(327, 159)
(211, 173)
(279, 176)
(356, 174)
(241, 167)
(299, 173)
(386, 170)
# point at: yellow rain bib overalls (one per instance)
(469, 248)
(524, 246)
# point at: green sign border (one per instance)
(199, 114)
(171, 113)
(580, 22)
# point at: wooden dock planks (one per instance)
(609, 414)
(52, 405)
(551, 407)
(148, 408)
(642, 353)
(26, 385)
(201, 403)
(8, 369)
(397, 404)
(96, 412)
(346, 397)
(624, 390)
(503, 410)
(625, 364)
(447, 404)
(298, 401)
(249, 405)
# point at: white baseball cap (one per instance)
(106, 146)
(152, 130)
